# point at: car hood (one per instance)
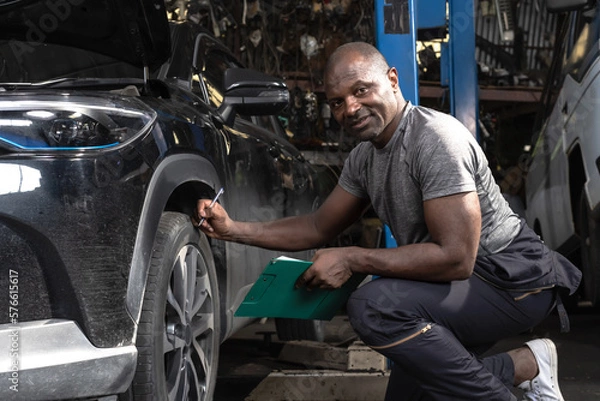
(133, 31)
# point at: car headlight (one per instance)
(60, 122)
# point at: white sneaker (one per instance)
(543, 387)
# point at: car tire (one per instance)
(178, 336)
(300, 329)
(590, 251)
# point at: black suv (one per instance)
(113, 123)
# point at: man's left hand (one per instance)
(330, 269)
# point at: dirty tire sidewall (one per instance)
(166, 338)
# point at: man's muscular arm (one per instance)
(454, 223)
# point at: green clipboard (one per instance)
(274, 293)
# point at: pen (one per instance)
(212, 204)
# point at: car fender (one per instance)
(172, 172)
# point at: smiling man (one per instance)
(467, 271)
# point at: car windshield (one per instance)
(20, 62)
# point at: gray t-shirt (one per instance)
(430, 155)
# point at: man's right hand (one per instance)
(216, 222)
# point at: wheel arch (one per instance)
(176, 176)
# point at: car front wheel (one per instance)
(178, 334)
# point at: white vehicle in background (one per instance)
(563, 178)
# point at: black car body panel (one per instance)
(91, 158)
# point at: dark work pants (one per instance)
(434, 332)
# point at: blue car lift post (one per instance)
(396, 27)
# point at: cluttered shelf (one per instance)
(521, 94)
(429, 89)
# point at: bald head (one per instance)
(357, 50)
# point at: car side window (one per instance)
(573, 54)
(211, 63)
(583, 38)
(212, 76)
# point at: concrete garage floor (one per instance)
(249, 357)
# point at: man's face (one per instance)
(362, 99)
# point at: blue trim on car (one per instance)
(51, 148)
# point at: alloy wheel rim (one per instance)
(188, 338)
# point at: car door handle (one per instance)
(565, 109)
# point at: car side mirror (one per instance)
(252, 93)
